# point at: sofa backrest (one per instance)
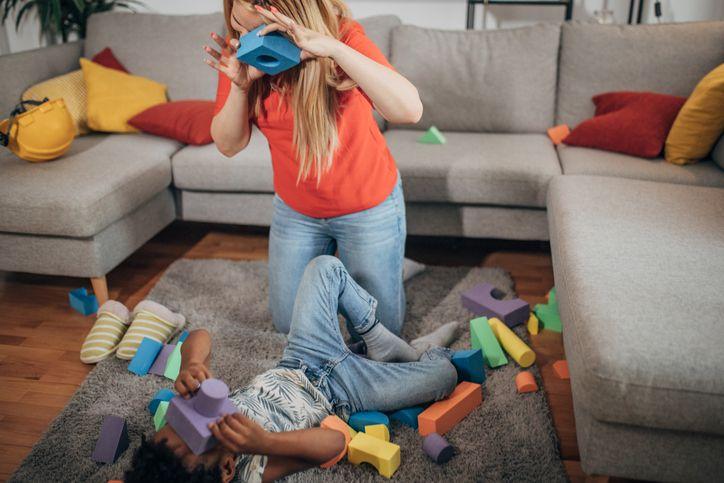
(379, 29)
(668, 59)
(493, 81)
(165, 48)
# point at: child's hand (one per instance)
(240, 74)
(313, 44)
(190, 378)
(239, 434)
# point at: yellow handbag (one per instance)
(43, 133)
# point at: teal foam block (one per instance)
(358, 421)
(83, 302)
(271, 53)
(145, 355)
(469, 365)
(161, 395)
(407, 416)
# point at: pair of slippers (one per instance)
(120, 331)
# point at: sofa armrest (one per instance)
(23, 69)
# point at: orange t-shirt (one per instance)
(363, 172)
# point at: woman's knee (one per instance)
(323, 265)
(445, 377)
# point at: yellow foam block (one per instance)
(518, 350)
(382, 455)
(378, 431)
(533, 327)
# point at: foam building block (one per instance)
(112, 441)
(145, 355)
(548, 315)
(437, 448)
(518, 350)
(469, 365)
(271, 53)
(407, 416)
(83, 302)
(173, 364)
(482, 337)
(533, 324)
(379, 431)
(560, 368)
(159, 365)
(382, 455)
(190, 417)
(483, 300)
(443, 415)
(358, 421)
(159, 417)
(525, 382)
(432, 136)
(183, 336)
(336, 423)
(161, 395)
(558, 133)
(551, 296)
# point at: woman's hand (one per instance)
(190, 378)
(313, 44)
(226, 62)
(239, 434)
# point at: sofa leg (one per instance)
(100, 289)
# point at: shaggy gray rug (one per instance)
(509, 438)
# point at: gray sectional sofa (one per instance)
(638, 245)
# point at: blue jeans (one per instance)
(371, 245)
(353, 383)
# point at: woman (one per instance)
(337, 187)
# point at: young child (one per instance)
(276, 432)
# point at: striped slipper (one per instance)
(152, 320)
(112, 321)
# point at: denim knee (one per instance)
(324, 264)
(445, 378)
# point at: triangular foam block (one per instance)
(432, 136)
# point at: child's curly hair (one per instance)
(155, 462)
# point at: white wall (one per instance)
(443, 14)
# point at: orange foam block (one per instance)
(560, 368)
(335, 423)
(525, 382)
(558, 133)
(443, 415)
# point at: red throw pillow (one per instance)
(185, 121)
(634, 123)
(106, 58)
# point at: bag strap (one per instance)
(19, 109)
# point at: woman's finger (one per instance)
(213, 53)
(219, 40)
(272, 27)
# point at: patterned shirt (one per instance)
(279, 399)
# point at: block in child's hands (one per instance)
(358, 421)
(381, 454)
(112, 441)
(407, 416)
(271, 53)
(379, 431)
(190, 417)
(444, 415)
(437, 448)
(469, 365)
(484, 299)
(145, 355)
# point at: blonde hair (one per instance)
(311, 86)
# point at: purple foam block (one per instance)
(112, 441)
(159, 365)
(437, 448)
(190, 417)
(480, 300)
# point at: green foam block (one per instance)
(432, 136)
(548, 315)
(482, 337)
(159, 419)
(173, 365)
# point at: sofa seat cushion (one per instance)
(204, 168)
(575, 160)
(480, 168)
(99, 180)
(638, 266)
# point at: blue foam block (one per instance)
(469, 365)
(271, 53)
(358, 421)
(81, 301)
(145, 355)
(407, 416)
(161, 395)
(183, 336)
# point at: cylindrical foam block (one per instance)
(437, 448)
(212, 394)
(512, 344)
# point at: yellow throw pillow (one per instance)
(71, 87)
(114, 97)
(700, 122)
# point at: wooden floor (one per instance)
(40, 335)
